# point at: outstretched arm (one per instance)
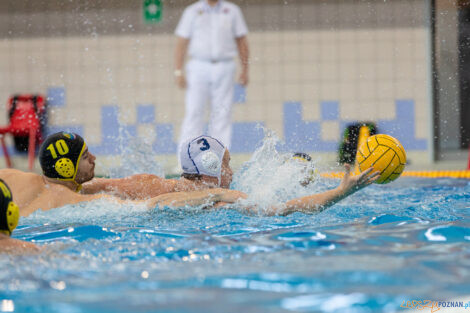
(314, 203)
(318, 202)
(196, 198)
(172, 199)
(141, 186)
(51, 199)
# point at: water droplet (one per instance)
(58, 285)
(7, 306)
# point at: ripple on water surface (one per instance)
(385, 244)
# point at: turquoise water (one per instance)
(383, 245)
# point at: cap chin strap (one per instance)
(78, 187)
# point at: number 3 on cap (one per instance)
(205, 144)
(61, 146)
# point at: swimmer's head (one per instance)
(205, 155)
(61, 155)
(310, 172)
(9, 211)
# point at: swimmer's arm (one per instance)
(141, 186)
(95, 185)
(173, 199)
(198, 197)
(318, 202)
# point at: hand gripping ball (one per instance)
(385, 154)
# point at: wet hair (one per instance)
(192, 176)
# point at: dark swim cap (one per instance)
(302, 156)
(310, 171)
(9, 212)
(60, 155)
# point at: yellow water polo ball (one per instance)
(65, 167)
(385, 154)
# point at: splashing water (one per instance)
(271, 178)
(89, 212)
(407, 240)
(137, 157)
(385, 244)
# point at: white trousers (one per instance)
(214, 83)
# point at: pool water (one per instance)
(383, 245)
(408, 240)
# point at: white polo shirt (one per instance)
(212, 30)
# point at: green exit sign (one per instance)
(152, 11)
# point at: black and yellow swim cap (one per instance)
(310, 171)
(302, 156)
(9, 211)
(60, 155)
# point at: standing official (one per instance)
(211, 32)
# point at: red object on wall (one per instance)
(27, 116)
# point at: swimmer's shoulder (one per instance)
(137, 186)
(183, 184)
(5, 172)
(14, 172)
(13, 177)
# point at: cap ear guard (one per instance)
(65, 167)
(211, 163)
(9, 211)
(12, 216)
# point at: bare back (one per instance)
(31, 192)
(25, 187)
(140, 186)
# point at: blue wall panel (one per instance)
(299, 134)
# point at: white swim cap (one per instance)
(202, 155)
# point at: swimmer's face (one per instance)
(226, 172)
(86, 167)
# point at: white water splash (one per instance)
(107, 211)
(102, 210)
(136, 158)
(271, 178)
